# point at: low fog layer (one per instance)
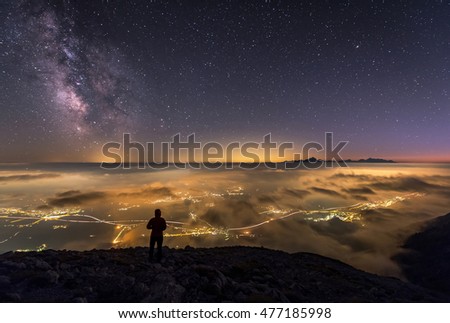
(360, 215)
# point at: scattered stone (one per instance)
(164, 289)
(228, 274)
(11, 297)
(41, 264)
(52, 277)
(4, 281)
(15, 265)
(79, 300)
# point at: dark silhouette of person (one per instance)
(157, 225)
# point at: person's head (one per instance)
(158, 213)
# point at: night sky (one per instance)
(77, 74)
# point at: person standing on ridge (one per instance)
(157, 225)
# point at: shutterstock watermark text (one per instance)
(188, 152)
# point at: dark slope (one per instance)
(426, 260)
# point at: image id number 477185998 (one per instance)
(295, 313)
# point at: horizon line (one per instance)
(236, 162)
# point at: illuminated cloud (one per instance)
(150, 192)
(75, 198)
(405, 184)
(26, 177)
(326, 191)
(360, 190)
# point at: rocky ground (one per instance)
(231, 274)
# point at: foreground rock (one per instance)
(236, 274)
(426, 258)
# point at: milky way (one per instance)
(85, 84)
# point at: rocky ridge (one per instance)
(227, 274)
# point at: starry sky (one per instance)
(77, 74)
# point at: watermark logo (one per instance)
(191, 153)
